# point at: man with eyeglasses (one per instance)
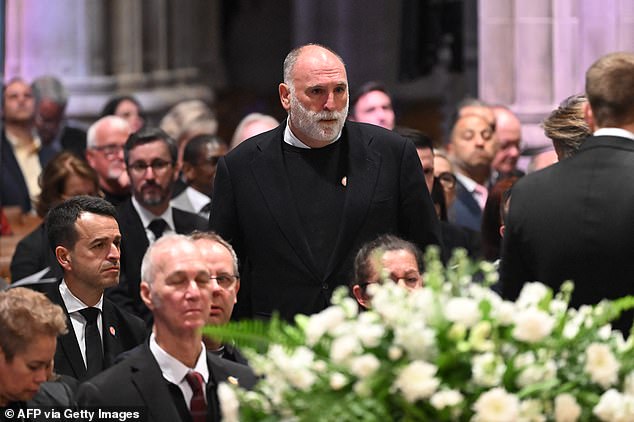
(104, 153)
(222, 263)
(150, 156)
(200, 159)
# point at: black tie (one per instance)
(94, 351)
(157, 227)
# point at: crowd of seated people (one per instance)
(148, 233)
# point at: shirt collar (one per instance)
(468, 183)
(198, 199)
(15, 141)
(147, 217)
(291, 139)
(72, 302)
(614, 131)
(174, 370)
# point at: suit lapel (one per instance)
(110, 334)
(363, 172)
(67, 345)
(270, 175)
(152, 387)
(133, 230)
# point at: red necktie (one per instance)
(197, 406)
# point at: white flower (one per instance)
(344, 347)
(229, 404)
(364, 365)
(394, 353)
(531, 294)
(532, 325)
(462, 310)
(446, 398)
(609, 406)
(504, 311)
(338, 380)
(322, 322)
(418, 340)
(531, 411)
(487, 369)
(496, 405)
(416, 381)
(536, 373)
(628, 384)
(601, 365)
(371, 334)
(566, 408)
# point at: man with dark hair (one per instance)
(150, 156)
(172, 375)
(84, 234)
(55, 133)
(372, 104)
(200, 158)
(573, 220)
(297, 201)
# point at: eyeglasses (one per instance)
(409, 281)
(447, 180)
(110, 149)
(158, 166)
(225, 281)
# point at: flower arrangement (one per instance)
(451, 351)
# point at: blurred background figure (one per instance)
(51, 98)
(566, 126)
(443, 170)
(492, 218)
(252, 124)
(128, 108)
(104, 153)
(29, 326)
(65, 176)
(424, 149)
(20, 163)
(199, 171)
(509, 134)
(388, 257)
(372, 103)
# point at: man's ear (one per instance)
(146, 295)
(63, 257)
(589, 117)
(361, 297)
(188, 171)
(285, 96)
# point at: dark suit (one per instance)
(134, 243)
(33, 254)
(13, 189)
(573, 220)
(121, 331)
(252, 207)
(465, 210)
(138, 381)
(70, 139)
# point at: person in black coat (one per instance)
(573, 220)
(298, 201)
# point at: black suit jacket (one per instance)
(121, 331)
(134, 243)
(33, 254)
(253, 208)
(13, 189)
(573, 220)
(137, 381)
(465, 210)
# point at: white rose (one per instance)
(229, 404)
(416, 381)
(338, 381)
(496, 405)
(532, 325)
(343, 347)
(531, 411)
(601, 365)
(322, 322)
(566, 408)
(364, 365)
(487, 369)
(535, 373)
(446, 398)
(531, 294)
(462, 310)
(372, 334)
(628, 384)
(418, 340)
(504, 311)
(609, 406)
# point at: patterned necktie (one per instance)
(197, 406)
(157, 227)
(94, 350)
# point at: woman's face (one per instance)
(20, 378)
(131, 113)
(76, 185)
